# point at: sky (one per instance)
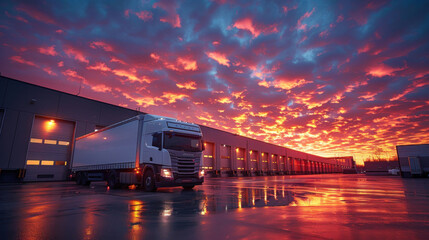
(331, 78)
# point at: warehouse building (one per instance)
(413, 160)
(38, 126)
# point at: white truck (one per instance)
(146, 150)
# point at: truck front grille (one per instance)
(184, 165)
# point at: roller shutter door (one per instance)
(49, 150)
(240, 158)
(208, 161)
(264, 162)
(254, 160)
(225, 157)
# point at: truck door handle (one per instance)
(151, 159)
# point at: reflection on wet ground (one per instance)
(302, 207)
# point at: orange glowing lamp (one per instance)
(49, 125)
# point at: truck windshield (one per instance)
(177, 141)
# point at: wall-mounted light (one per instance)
(49, 125)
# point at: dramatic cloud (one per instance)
(325, 77)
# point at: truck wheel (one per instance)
(79, 178)
(112, 181)
(84, 179)
(149, 181)
(188, 187)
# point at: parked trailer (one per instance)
(146, 150)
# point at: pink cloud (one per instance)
(19, 18)
(255, 29)
(49, 71)
(145, 15)
(48, 50)
(76, 54)
(300, 25)
(382, 70)
(172, 17)
(106, 47)
(36, 14)
(73, 74)
(19, 59)
(100, 67)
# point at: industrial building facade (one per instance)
(413, 160)
(38, 127)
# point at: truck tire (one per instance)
(188, 187)
(113, 181)
(149, 181)
(84, 179)
(79, 178)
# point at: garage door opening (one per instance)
(49, 150)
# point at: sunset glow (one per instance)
(328, 78)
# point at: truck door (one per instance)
(152, 148)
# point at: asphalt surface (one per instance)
(331, 206)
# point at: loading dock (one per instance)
(208, 157)
(22, 147)
(254, 159)
(49, 149)
(225, 160)
(413, 160)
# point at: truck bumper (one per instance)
(166, 182)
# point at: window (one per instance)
(36, 140)
(157, 140)
(182, 142)
(33, 162)
(64, 143)
(63, 163)
(47, 163)
(53, 142)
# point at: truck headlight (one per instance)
(166, 173)
(201, 173)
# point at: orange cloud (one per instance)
(187, 64)
(131, 75)
(48, 50)
(73, 74)
(219, 57)
(113, 59)
(181, 63)
(224, 100)
(240, 119)
(187, 85)
(285, 84)
(173, 97)
(99, 66)
(382, 70)
(142, 101)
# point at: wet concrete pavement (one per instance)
(331, 206)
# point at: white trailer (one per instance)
(147, 150)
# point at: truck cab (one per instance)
(174, 149)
